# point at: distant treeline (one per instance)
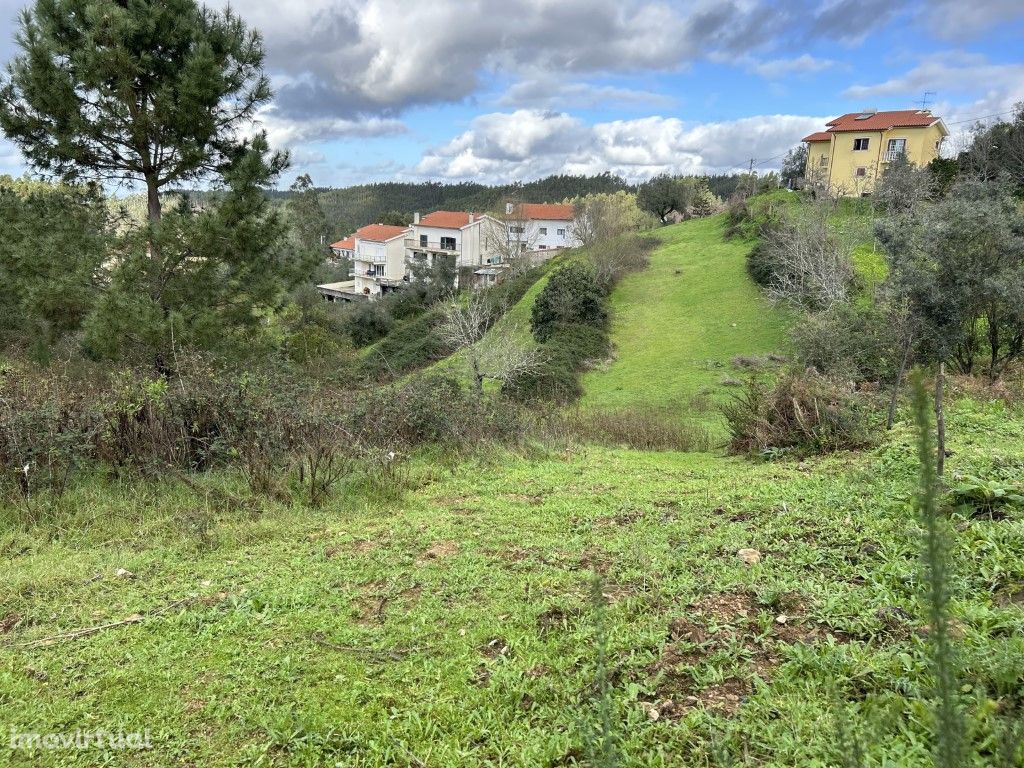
(349, 208)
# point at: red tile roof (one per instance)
(380, 233)
(883, 121)
(448, 219)
(546, 211)
(348, 244)
(819, 136)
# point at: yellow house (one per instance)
(851, 155)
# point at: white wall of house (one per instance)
(471, 244)
(377, 264)
(549, 234)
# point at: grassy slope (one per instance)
(453, 627)
(678, 325)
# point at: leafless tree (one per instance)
(605, 215)
(513, 239)
(811, 266)
(491, 350)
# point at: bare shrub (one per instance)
(802, 411)
(495, 352)
(615, 258)
(326, 454)
(808, 266)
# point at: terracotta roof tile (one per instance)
(348, 244)
(448, 219)
(819, 136)
(882, 121)
(380, 233)
(546, 211)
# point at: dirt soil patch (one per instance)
(724, 621)
(438, 551)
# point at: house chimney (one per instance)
(470, 217)
(509, 208)
(416, 218)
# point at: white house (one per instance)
(468, 237)
(542, 226)
(378, 264)
(345, 249)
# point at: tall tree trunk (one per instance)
(940, 421)
(891, 417)
(153, 199)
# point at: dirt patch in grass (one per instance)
(717, 622)
(494, 648)
(438, 551)
(1008, 598)
(9, 622)
(556, 618)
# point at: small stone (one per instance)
(653, 713)
(781, 618)
(749, 556)
(124, 573)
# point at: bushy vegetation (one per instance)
(800, 413)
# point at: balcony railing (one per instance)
(431, 245)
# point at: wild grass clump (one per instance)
(802, 412)
(644, 429)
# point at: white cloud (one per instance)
(959, 20)
(952, 71)
(554, 93)
(284, 132)
(801, 65)
(528, 144)
(347, 58)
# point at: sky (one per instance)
(504, 90)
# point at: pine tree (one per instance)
(151, 91)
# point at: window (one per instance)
(516, 230)
(861, 172)
(448, 243)
(543, 230)
(823, 162)
(561, 233)
(860, 145)
(423, 241)
(543, 247)
(895, 148)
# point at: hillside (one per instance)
(453, 626)
(678, 326)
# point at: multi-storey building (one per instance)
(851, 155)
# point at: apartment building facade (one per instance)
(378, 264)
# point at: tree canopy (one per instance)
(155, 91)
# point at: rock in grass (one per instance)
(749, 556)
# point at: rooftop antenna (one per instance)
(926, 100)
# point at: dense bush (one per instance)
(366, 322)
(410, 345)
(571, 348)
(571, 296)
(850, 341)
(803, 412)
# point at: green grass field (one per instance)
(454, 627)
(678, 325)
